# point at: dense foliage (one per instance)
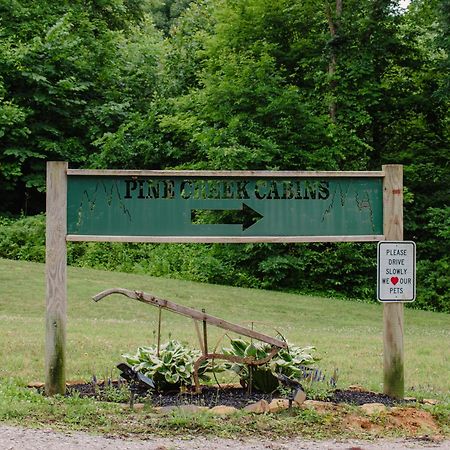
(230, 84)
(171, 364)
(291, 363)
(347, 270)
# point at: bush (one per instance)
(289, 362)
(434, 281)
(170, 366)
(346, 269)
(23, 238)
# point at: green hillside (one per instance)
(347, 335)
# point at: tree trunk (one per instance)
(333, 24)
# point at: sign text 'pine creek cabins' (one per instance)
(228, 206)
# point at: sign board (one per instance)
(232, 206)
(396, 281)
(245, 207)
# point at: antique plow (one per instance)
(201, 316)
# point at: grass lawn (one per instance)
(347, 335)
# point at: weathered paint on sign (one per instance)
(396, 281)
(217, 206)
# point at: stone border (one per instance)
(263, 406)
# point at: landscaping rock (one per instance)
(300, 397)
(223, 410)
(373, 408)
(279, 404)
(36, 384)
(357, 388)
(71, 383)
(430, 401)
(257, 408)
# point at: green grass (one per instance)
(347, 335)
(19, 405)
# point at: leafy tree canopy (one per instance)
(235, 84)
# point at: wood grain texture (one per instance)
(393, 202)
(393, 312)
(223, 239)
(56, 278)
(225, 173)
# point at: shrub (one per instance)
(171, 367)
(346, 269)
(290, 362)
(23, 238)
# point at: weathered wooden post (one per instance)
(394, 384)
(56, 276)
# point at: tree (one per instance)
(58, 92)
(249, 108)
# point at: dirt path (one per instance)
(17, 438)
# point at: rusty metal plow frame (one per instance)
(149, 299)
(249, 360)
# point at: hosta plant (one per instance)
(290, 362)
(171, 367)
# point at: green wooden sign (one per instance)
(245, 207)
(238, 206)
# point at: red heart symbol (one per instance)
(394, 280)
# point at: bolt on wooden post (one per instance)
(56, 277)
(394, 384)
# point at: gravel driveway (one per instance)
(12, 438)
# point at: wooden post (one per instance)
(56, 278)
(394, 384)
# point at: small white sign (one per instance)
(396, 281)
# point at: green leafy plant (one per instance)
(290, 362)
(119, 394)
(170, 367)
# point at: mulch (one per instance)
(358, 397)
(211, 396)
